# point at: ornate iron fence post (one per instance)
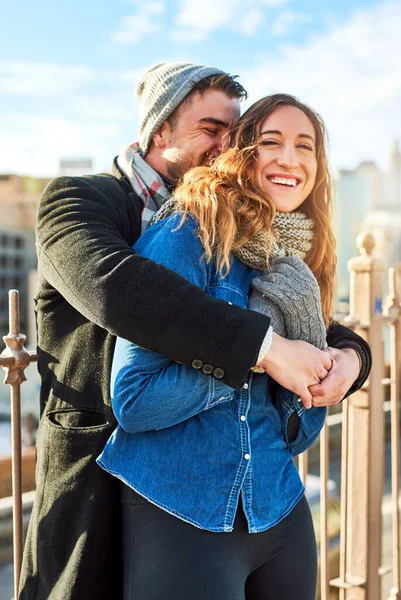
(14, 360)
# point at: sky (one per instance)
(68, 71)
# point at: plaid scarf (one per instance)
(145, 181)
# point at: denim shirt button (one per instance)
(247, 456)
(245, 386)
(230, 303)
(243, 418)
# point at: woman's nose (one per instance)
(288, 157)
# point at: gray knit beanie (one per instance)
(161, 89)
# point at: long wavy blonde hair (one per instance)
(231, 208)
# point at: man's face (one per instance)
(197, 135)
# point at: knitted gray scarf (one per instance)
(286, 289)
(293, 236)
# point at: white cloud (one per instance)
(61, 117)
(251, 21)
(143, 24)
(286, 21)
(197, 20)
(275, 3)
(42, 79)
(36, 143)
(352, 76)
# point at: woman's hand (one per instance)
(345, 370)
(296, 365)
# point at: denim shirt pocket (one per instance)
(218, 393)
(224, 290)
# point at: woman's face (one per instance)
(286, 163)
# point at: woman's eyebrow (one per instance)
(277, 132)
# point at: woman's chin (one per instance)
(287, 204)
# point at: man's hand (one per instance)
(342, 375)
(296, 365)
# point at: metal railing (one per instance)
(363, 442)
(360, 568)
(14, 360)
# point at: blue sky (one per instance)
(68, 71)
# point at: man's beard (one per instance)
(176, 169)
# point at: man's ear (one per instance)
(162, 136)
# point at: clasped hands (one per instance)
(318, 377)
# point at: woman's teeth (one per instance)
(283, 181)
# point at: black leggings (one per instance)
(168, 559)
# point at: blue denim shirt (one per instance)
(186, 441)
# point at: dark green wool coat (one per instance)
(93, 287)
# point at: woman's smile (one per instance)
(284, 181)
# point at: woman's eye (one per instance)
(306, 147)
(268, 143)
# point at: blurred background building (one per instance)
(19, 198)
(368, 200)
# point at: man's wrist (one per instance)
(351, 344)
(358, 357)
(353, 352)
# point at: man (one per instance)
(93, 287)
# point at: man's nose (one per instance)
(288, 157)
(221, 144)
(224, 142)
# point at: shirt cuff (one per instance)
(265, 347)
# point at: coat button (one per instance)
(197, 363)
(207, 369)
(218, 373)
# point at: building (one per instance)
(368, 200)
(19, 197)
(353, 199)
(17, 259)
(394, 184)
(76, 166)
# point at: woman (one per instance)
(213, 505)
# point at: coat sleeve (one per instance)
(150, 391)
(85, 256)
(339, 336)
